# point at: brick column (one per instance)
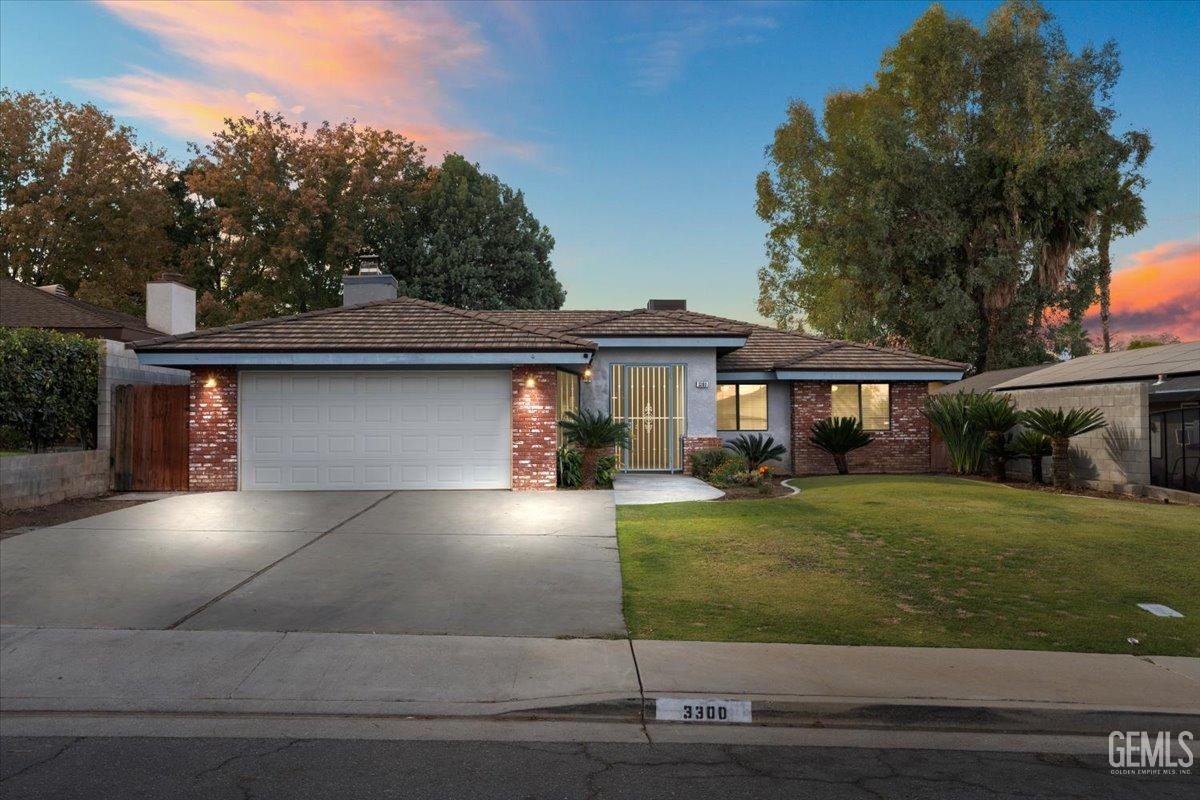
(534, 427)
(213, 429)
(902, 448)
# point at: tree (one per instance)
(1121, 213)
(1061, 426)
(291, 208)
(473, 244)
(82, 203)
(1145, 340)
(946, 206)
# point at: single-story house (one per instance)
(393, 392)
(51, 307)
(1150, 399)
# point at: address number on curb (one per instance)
(699, 709)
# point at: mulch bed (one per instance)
(1077, 492)
(768, 491)
(58, 513)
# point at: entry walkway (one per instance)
(638, 489)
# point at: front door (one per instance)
(650, 397)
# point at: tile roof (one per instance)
(1127, 365)
(770, 349)
(401, 325)
(638, 322)
(25, 306)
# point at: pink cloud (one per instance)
(1156, 291)
(388, 65)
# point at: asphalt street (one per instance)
(183, 768)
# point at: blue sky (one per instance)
(635, 130)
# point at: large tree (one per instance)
(291, 207)
(472, 243)
(82, 203)
(949, 205)
(1121, 213)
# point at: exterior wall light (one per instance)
(530, 382)
(587, 374)
(211, 383)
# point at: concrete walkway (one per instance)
(73, 670)
(633, 489)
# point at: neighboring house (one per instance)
(987, 381)
(24, 306)
(1150, 399)
(403, 393)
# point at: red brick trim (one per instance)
(693, 443)
(213, 429)
(534, 427)
(903, 448)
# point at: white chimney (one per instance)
(369, 285)
(170, 305)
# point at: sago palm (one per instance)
(839, 436)
(1035, 446)
(995, 415)
(1061, 426)
(756, 449)
(593, 433)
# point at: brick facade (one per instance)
(693, 443)
(903, 448)
(534, 427)
(213, 429)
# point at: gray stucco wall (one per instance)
(701, 366)
(119, 366)
(1113, 457)
(779, 420)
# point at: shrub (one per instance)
(1060, 426)
(706, 460)
(730, 473)
(994, 415)
(756, 449)
(593, 432)
(48, 390)
(1034, 446)
(839, 436)
(606, 468)
(570, 461)
(950, 416)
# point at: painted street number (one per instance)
(699, 709)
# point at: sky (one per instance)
(635, 130)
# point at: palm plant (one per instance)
(994, 415)
(950, 416)
(1060, 426)
(756, 449)
(1035, 446)
(838, 436)
(593, 433)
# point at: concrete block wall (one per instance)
(1113, 458)
(119, 366)
(40, 479)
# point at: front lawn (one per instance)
(926, 561)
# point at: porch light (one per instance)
(211, 383)
(587, 374)
(530, 382)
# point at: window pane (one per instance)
(753, 406)
(844, 400)
(727, 406)
(875, 406)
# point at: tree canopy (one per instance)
(264, 220)
(950, 206)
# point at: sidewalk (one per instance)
(68, 670)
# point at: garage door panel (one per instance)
(338, 430)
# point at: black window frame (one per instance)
(737, 406)
(858, 390)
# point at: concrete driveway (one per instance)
(473, 563)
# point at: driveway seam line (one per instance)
(210, 603)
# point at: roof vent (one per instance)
(370, 285)
(56, 289)
(666, 305)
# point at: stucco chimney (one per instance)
(369, 285)
(170, 304)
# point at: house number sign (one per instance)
(701, 384)
(699, 709)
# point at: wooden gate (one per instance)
(150, 438)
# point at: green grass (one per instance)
(923, 561)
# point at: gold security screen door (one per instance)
(651, 398)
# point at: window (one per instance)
(568, 398)
(741, 406)
(868, 402)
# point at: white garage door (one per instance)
(339, 429)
